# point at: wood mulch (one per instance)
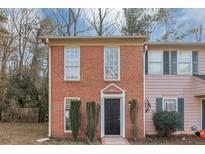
(172, 140)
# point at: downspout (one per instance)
(49, 89)
(145, 50)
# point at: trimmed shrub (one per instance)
(165, 122)
(92, 119)
(75, 117)
(133, 117)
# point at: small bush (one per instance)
(165, 122)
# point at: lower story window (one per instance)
(67, 111)
(170, 104)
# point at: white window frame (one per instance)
(64, 123)
(67, 47)
(163, 104)
(155, 62)
(179, 62)
(118, 49)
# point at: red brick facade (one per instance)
(92, 81)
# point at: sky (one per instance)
(191, 17)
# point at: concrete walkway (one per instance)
(112, 140)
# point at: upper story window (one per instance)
(155, 62)
(72, 64)
(170, 104)
(112, 63)
(184, 62)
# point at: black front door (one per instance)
(203, 114)
(112, 116)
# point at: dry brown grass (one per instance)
(29, 133)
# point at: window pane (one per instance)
(155, 56)
(72, 63)
(170, 104)
(185, 68)
(67, 110)
(72, 72)
(155, 68)
(185, 56)
(111, 72)
(67, 120)
(111, 63)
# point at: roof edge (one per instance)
(175, 43)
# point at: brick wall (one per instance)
(92, 81)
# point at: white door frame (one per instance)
(201, 111)
(122, 111)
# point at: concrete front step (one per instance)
(114, 140)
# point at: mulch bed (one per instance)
(172, 140)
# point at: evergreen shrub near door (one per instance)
(92, 119)
(75, 117)
(133, 117)
(165, 122)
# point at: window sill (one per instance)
(111, 81)
(68, 131)
(75, 81)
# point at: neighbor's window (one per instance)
(170, 104)
(155, 62)
(66, 112)
(112, 64)
(72, 64)
(184, 62)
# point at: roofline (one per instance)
(175, 43)
(69, 39)
(91, 37)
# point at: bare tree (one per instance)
(24, 21)
(102, 21)
(172, 28)
(195, 31)
(68, 22)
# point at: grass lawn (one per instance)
(173, 140)
(29, 133)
